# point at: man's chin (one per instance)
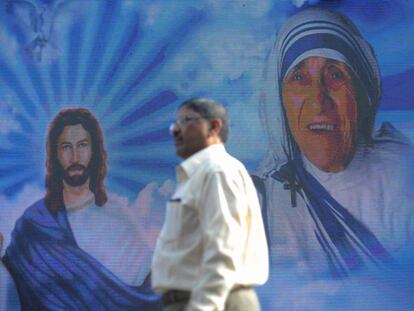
(329, 161)
(76, 180)
(180, 151)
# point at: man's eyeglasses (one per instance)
(180, 123)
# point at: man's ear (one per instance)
(215, 128)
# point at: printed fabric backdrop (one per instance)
(132, 63)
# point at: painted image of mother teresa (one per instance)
(337, 196)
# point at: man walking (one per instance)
(212, 248)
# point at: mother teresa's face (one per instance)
(320, 102)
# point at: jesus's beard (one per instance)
(77, 179)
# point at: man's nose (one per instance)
(321, 100)
(75, 155)
(175, 130)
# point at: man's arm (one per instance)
(223, 208)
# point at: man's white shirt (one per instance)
(213, 237)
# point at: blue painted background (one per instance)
(133, 62)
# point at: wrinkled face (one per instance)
(320, 102)
(190, 132)
(74, 154)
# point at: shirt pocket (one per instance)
(173, 221)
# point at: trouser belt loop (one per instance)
(239, 287)
(174, 296)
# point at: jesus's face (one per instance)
(74, 154)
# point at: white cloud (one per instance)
(8, 44)
(252, 8)
(152, 14)
(220, 55)
(227, 64)
(300, 3)
(8, 121)
(234, 54)
(247, 140)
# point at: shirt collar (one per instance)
(189, 165)
(81, 204)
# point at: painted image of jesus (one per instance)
(75, 249)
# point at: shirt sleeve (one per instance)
(222, 210)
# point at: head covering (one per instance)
(315, 32)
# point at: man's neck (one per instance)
(72, 195)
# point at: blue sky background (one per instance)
(133, 62)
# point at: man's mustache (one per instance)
(76, 166)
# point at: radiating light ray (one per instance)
(18, 176)
(10, 171)
(164, 49)
(153, 136)
(115, 76)
(11, 158)
(143, 164)
(158, 151)
(103, 64)
(49, 105)
(15, 156)
(161, 120)
(128, 46)
(104, 23)
(56, 80)
(62, 63)
(30, 76)
(75, 38)
(17, 184)
(27, 126)
(94, 96)
(88, 31)
(36, 81)
(142, 176)
(161, 100)
(148, 93)
(52, 104)
(13, 82)
(124, 186)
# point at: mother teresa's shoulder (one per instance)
(390, 144)
(391, 155)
